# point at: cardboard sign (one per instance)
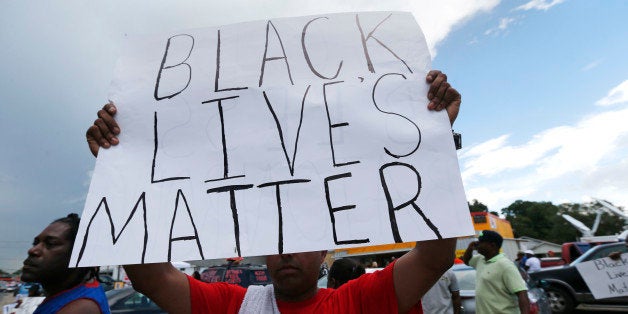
(283, 135)
(605, 277)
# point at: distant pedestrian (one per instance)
(521, 260)
(532, 263)
(443, 297)
(499, 286)
(343, 270)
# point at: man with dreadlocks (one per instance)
(68, 290)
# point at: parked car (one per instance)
(12, 287)
(566, 288)
(106, 281)
(3, 286)
(26, 286)
(539, 303)
(322, 282)
(240, 274)
(127, 300)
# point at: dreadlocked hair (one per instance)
(73, 220)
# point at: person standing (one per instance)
(532, 262)
(499, 285)
(343, 270)
(521, 259)
(68, 290)
(395, 289)
(444, 296)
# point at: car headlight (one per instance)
(534, 296)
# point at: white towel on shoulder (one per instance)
(259, 299)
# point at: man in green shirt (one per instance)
(499, 285)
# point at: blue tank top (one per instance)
(91, 291)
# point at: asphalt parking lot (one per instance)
(6, 298)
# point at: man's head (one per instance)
(49, 257)
(295, 276)
(489, 243)
(529, 253)
(343, 270)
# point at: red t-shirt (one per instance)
(371, 293)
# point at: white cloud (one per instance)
(617, 95)
(503, 26)
(539, 5)
(591, 65)
(562, 163)
(436, 18)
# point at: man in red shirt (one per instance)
(397, 288)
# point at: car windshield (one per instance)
(322, 282)
(466, 278)
(600, 252)
(112, 293)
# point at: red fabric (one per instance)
(371, 293)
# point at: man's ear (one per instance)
(331, 282)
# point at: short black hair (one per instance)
(343, 270)
(491, 237)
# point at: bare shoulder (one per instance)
(81, 306)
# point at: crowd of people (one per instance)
(419, 281)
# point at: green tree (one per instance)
(586, 213)
(544, 221)
(477, 206)
(531, 219)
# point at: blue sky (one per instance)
(544, 85)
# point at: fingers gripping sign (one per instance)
(104, 131)
(442, 96)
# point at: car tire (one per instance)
(560, 300)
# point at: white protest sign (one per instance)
(284, 135)
(605, 277)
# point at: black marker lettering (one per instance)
(279, 130)
(114, 237)
(392, 208)
(332, 126)
(261, 75)
(216, 89)
(279, 209)
(333, 210)
(369, 63)
(234, 209)
(164, 67)
(307, 55)
(152, 173)
(225, 156)
(396, 114)
(174, 215)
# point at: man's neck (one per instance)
(490, 255)
(295, 298)
(57, 287)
